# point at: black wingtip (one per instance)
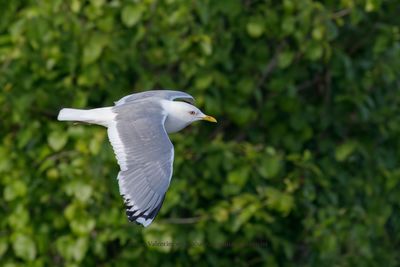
(134, 218)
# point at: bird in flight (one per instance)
(138, 126)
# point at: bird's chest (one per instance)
(174, 124)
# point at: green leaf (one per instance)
(24, 247)
(71, 248)
(75, 5)
(131, 14)
(82, 225)
(97, 142)
(344, 150)
(206, 45)
(305, 154)
(57, 140)
(97, 3)
(79, 190)
(52, 174)
(318, 32)
(279, 201)
(15, 189)
(203, 82)
(255, 28)
(314, 51)
(244, 216)
(19, 218)
(285, 59)
(93, 49)
(270, 166)
(239, 176)
(3, 245)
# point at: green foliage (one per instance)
(301, 170)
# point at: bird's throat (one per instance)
(174, 121)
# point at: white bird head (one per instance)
(181, 114)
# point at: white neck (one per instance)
(175, 120)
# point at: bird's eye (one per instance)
(192, 112)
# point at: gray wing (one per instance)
(164, 94)
(145, 155)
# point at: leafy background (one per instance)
(301, 170)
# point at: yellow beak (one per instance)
(209, 118)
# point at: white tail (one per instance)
(100, 116)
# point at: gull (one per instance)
(138, 126)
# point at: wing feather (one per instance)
(145, 155)
(164, 94)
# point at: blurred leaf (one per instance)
(19, 218)
(279, 201)
(79, 190)
(203, 82)
(270, 166)
(57, 140)
(93, 49)
(255, 28)
(24, 247)
(131, 14)
(303, 160)
(15, 189)
(344, 150)
(239, 176)
(83, 225)
(244, 216)
(285, 59)
(3, 245)
(72, 249)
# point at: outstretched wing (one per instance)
(164, 94)
(145, 155)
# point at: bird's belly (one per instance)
(173, 125)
